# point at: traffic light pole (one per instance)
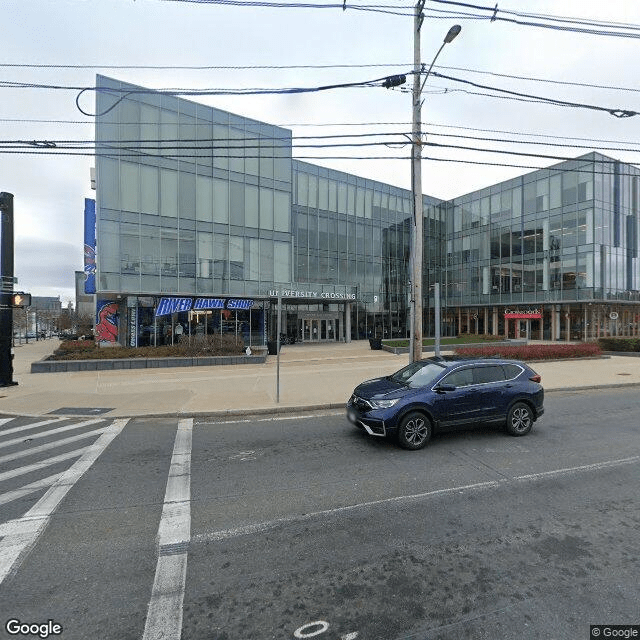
(6, 290)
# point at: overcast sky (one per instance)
(49, 190)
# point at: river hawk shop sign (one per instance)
(167, 306)
(523, 314)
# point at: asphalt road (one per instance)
(304, 527)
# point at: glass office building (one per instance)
(203, 218)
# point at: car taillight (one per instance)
(536, 378)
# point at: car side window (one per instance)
(459, 378)
(491, 373)
(512, 371)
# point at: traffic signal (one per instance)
(19, 300)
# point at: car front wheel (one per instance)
(520, 419)
(414, 431)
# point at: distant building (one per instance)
(85, 302)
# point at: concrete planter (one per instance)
(64, 366)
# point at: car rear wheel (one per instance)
(414, 431)
(520, 419)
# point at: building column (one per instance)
(494, 328)
(459, 320)
(506, 328)
(567, 324)
(541, 322)
(486, 321)
(347, 322)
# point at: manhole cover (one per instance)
(81, 411)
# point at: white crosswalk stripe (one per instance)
(18, 536)
(25, 427)
(51, 445)
(38, 485)
(46, 434)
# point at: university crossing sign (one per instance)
(167, 306)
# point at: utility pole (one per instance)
(6, 290)
(416, 174)
(415, 349)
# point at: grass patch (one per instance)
(200, 347)
(533, 351)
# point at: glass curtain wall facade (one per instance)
(195, 202)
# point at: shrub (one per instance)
(620, 344)
(197, 347)
(533, 352)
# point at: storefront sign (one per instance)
(168, 306)
(525, 314)
(326, 295)
(133, 327)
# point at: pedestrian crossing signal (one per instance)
(20, 300)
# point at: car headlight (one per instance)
(383, 404)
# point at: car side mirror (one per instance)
(445, 387)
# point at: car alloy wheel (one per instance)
(414, 431)
(520, 419)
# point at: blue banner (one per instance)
(89, 245)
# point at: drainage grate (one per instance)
(174, 548)
(80, 411)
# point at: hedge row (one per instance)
(200, 347)
(534, 352)
(620, 344)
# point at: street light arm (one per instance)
(431, 66)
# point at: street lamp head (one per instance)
(452, 33)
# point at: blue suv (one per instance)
(438, 394)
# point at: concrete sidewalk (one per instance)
(311, 376)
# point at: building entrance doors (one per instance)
(318, 329)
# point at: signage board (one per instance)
(167, 306)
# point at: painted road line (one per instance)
(25, 427)
(51, 432)
(20, 535)
(9, 496)
(271, 524)
(36, 466)
(5, 420)
(51, 445)
(164, 615)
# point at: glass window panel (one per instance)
(266, 260)
(342, 197)
(149, 249)
(220, 201)
(360, 202)
(282, 211)
(236, 203)
(313, 192)
(109, 177)
(333, 195)
(323, 194)
(281, 262)
(220, 143)
(204, 199)
(351, 200)
(516, 203)
(187, 249)
(168, 193)
(148, 189)
(236, 257)
(221, 256)
(129, 186)
(266, 158)
(555, 191)
(585, 186)
(253, 246)
(569, 187)
(542, 195)
(251, 206)
(236, 150)
(169, 130)
(187, 205)
(169, 252)
(149, 120)
(109, 254)
(266, 208)
(303, 189)
(205, 255)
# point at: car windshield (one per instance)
(418, 374)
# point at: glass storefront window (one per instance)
(204, 199)
(169, 193)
